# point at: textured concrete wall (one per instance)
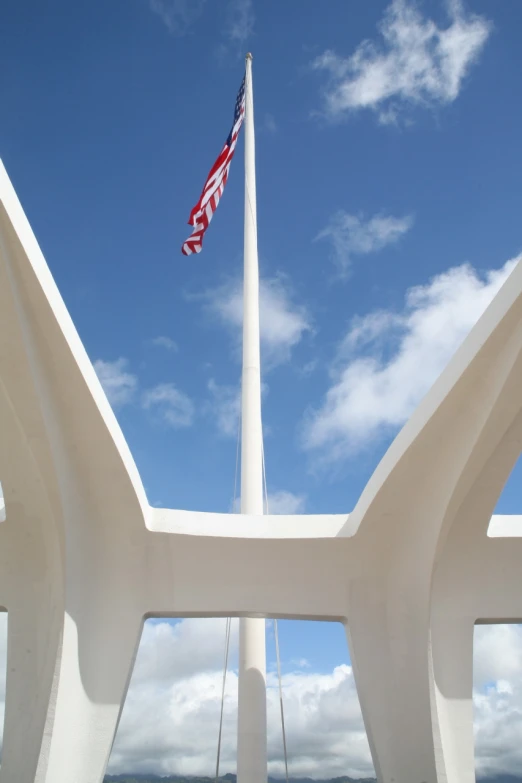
(84, 558)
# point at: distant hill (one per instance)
(229, 778)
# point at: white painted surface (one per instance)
(251, 725)
(83, 558)
(505, 526)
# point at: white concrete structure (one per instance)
(84, 558)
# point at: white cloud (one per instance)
(2, 505)
(238, 28)
(352, 235)
(119, 384)
(175, 695)
(324, 726)
(497, 699)
(283, 502)
(241, 21)
(497, 654)
(174, 700)
(165, 400)
(388, 360)
(172, 405)
(283, 323)
(177, 15)
(269, 124)
(280, 502)
(301, 663)
(417, 62)
(224, 407)
(307, 369)
(162, 341)
(174, 652)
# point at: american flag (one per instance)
(203, 212)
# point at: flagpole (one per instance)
(252, 730)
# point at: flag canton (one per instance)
(239, 101)
(238, 110)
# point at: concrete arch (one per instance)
(405, 570)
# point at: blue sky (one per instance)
(388, 160)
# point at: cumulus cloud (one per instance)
(281, 502)
(224, 407)
(269, 124)
(388, 359)
(416, 62)
(240, 23)
(118, 383)
(178, 651)
(175, 694)
(324, 725)
(283, 323)
(352, 235)
(284, 502)
(170, 719)
(497, 699)
(162, 341)
(172, 405)
(177, 15)
(165, 400)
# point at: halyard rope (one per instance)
(276, 636)
(229, 621)
(225, 666)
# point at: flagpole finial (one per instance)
(249, 56)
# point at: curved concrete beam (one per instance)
(403, 519)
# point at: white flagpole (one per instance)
(251, 735)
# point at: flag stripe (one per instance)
(203, 212)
